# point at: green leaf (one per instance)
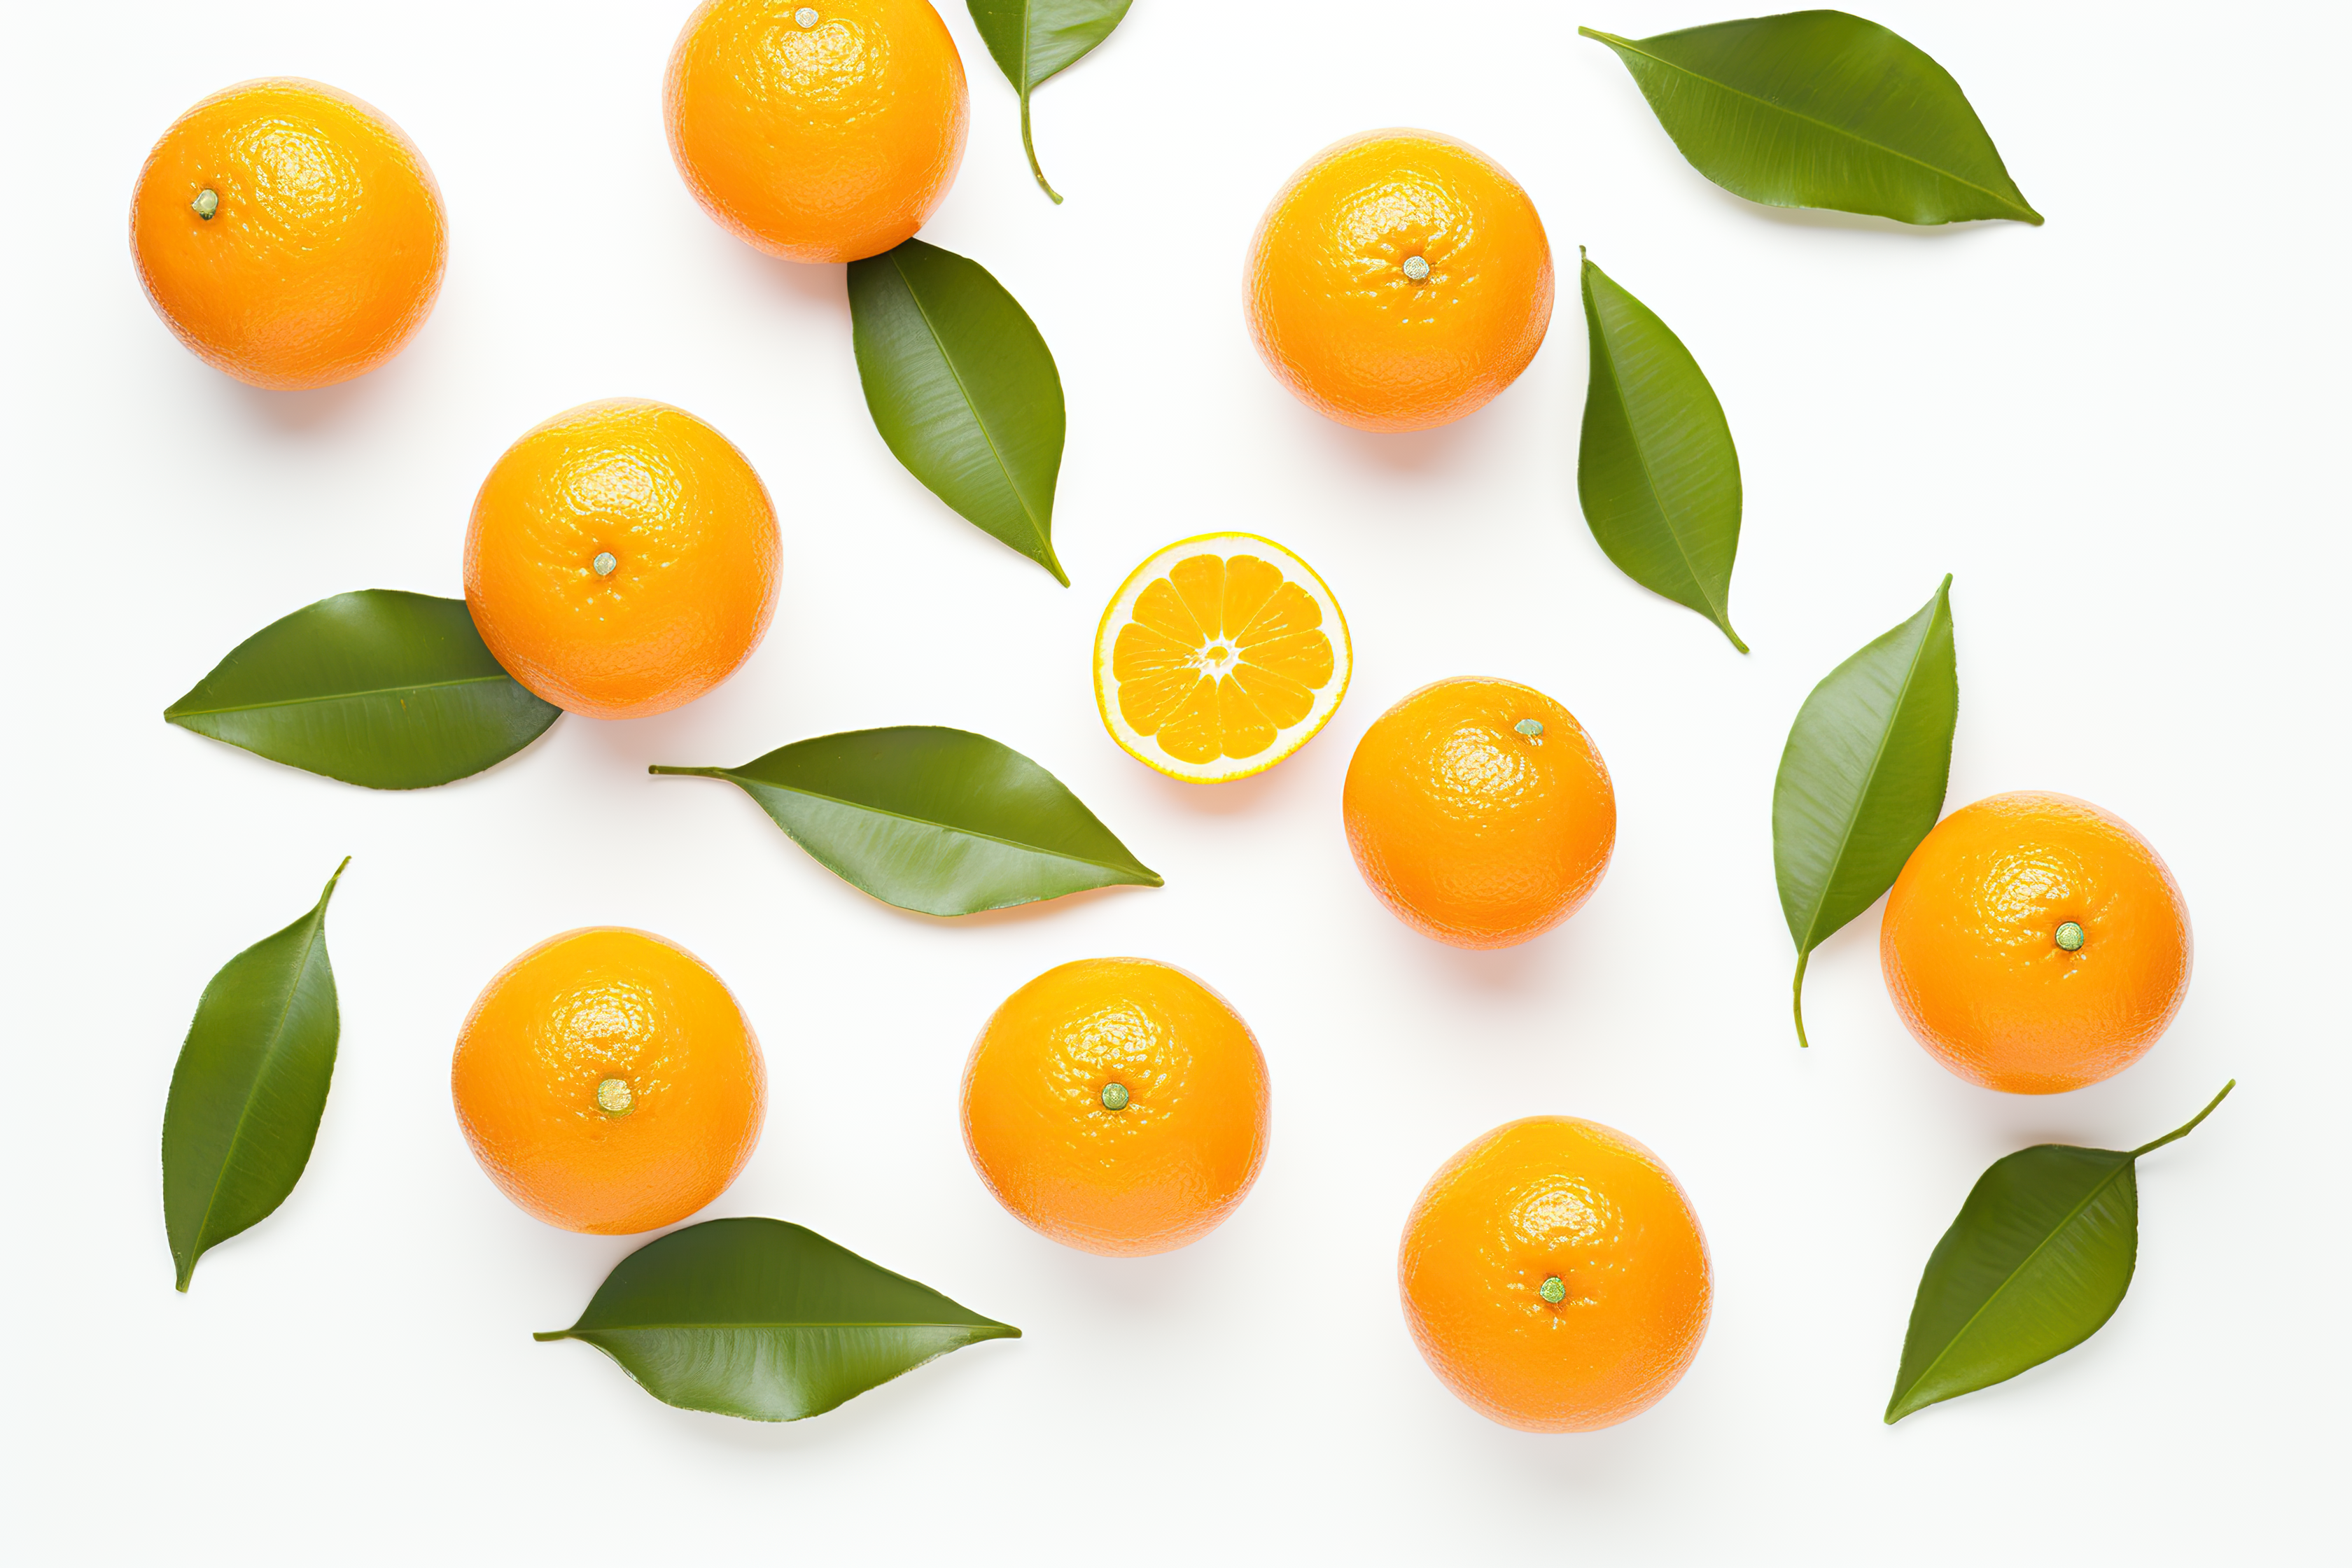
(2038, 1259)
(963, 389)
(1034, 39)
(1656, 472)
(767, 1321)
(940, 821)
(249, 1087)
(1861, 780)
(381, 687)
(1818, 109)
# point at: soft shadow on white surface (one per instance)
(313, 410)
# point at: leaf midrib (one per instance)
(1614, 41)
(176, 713)
(1885, 736)
(2013, 1275)
(948, 359)
(667, 1328)
(1721, 613)
(276, 1038)
(942, 827)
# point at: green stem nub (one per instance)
(605, 563)
(208, 203)
(614, 1097)
(1554, 1291)
(1114, 1097)
(2070, 937)
(1417, 268)
(806, 16)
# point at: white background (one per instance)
(2122, 431)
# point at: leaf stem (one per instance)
(1029, 147)
(1797, 991)
(2185, 1129)
(688, 773)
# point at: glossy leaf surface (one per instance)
(249, 1087)
(1819, 109)
(381, 687)
(1656, 472)
(767, 1321)
(942, 821)
(1033, 39)
(1862, 779)
(2038, 1261)
(963, 390)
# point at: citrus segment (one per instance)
(1220, 656)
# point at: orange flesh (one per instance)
(1220, 656)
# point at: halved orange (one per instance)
(1219, 657)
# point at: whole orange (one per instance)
(290, 234)
(1400, 281)
(818, 133)
(608, 1083)
(1116, 1105)
(2035, 943)
(1555, 1277)
(622, 559)
(1480, 812)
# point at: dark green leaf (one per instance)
(1033, 39)
(1656, 471)
(963, 389)
(940, 821)
(249, 1087)
(1818, 109)
(1861, 780)
(2038, 1259)
(381, 687)
(767, 1321)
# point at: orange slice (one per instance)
(1219, 657)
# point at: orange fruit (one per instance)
(2035, 943)
(1555, 1277)
(1117, 1106)
(608, 1082)
(622, 559)
(1480, 812)
(288, 234)
(1220, 656)
(1400, 281)
(818, 133)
